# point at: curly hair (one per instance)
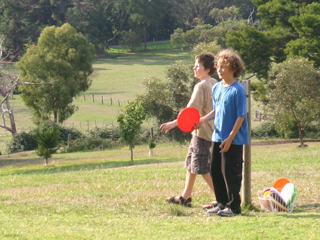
(230, 59)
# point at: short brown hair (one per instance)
(207, 60)
(230, 59)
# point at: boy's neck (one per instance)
(205, 78)
(228, 82)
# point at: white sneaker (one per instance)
(227, 212)
(214, 210)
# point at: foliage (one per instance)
(100, 20)
(211, 47)
(253, 47)
(307, 25)
(130, 121)
(62, 58)
(294, 93)
(24, 141)
(286, 29)
(90, 143)
(152, 144)
(226, 19)
(145, 16)
(106, 133)
(130, 39)
(265, 130)
(164, 100)
(69, 134)
(47, 137)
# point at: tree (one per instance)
(286, 29)
(130, 39)
(307, 25)
(226, 19)
(99, 20)
(8, 84)
(47, 137)
(164, 100)
(146, 16)
(294, 94)
(22, 21)
(62, 57)
(130, 121)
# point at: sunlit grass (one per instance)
(99, 195)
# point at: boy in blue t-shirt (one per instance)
(230, 133)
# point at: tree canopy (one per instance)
(130, 121)
(294, 93)
(58, 67)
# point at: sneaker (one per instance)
(214, 210)
(227, 212)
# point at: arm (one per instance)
(166, 127)
(225, 145)
(206, 118)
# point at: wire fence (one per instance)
(97, 98)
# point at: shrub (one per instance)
(72, 132)
(91, 143)
(47, 137)
(106, 133)
(24, 141)
(265, 130)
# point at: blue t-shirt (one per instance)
(229, 103)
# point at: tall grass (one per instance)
(98, 195)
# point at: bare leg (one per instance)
(208, 179)
(190, 179)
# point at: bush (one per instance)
(24, 141)
(106, 133)
(72, 132)
(130, 39)
(265, 130)
(91, 143)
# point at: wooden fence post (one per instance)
(246, 183)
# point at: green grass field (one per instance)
(98, 195)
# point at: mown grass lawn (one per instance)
(98, 195)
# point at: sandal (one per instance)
(181, 201)
(210, 205)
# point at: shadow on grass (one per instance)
(76, 167)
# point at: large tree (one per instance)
(294, 93)
(146, 16)
(288, 28)
(21, 21)
(99, 20)
(62, 57)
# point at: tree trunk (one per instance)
(131, 148)
(145, 36)
(301, 136)
(8, 111)
(11, 116)
(55, 117)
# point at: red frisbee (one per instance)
(187, 118)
